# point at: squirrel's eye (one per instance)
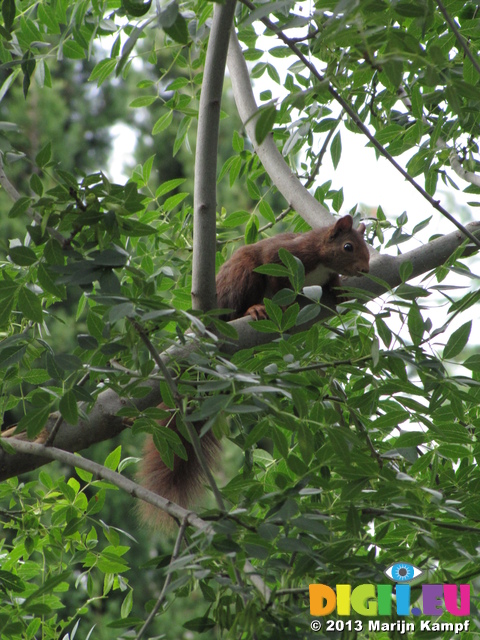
(348, 246)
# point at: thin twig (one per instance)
(192, 432)
(168, 579)
(51, 436)
(363, 128)
(454, 158)
(135, 490)
(156, 357)
(460, 39)
(432, 521)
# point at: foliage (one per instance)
(357, 434)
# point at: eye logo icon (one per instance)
(402, 572)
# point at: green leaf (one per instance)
(267, 211)
(127, 604)
(11, 582)
(47, 587)
(308, 313)
(265, 122)
(8, 13)
(237, 218)
(73, 50)
(36, 376)
(168, 186)
(23, 256)
(200, 624)
(68, 362)
(251, 230)
(173, 201)
(12, 355)
(416, 326)
(337, 200)
(182, 132)
(238, 142)
(162, 123)
(44, 155)
(46, 15)
(383, 331)
(295, 267)
(275, 270)
(36, 184)
(113, 459)
(290, 317)
(136, 8)
(34, 421)
(457, 341)
(143, 101)
(69, 408)
(87, 342)
(30, 305)
(394, 72)
(179, 30)
(336, 150)
(353, 522)
(273, 311)
(405, 270)
(473, 363)
(102, 70)
(20, 207)
(167, 396)
(46, 279)
(411, 439)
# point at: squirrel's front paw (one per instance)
(256, 312)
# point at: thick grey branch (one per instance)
(273, 162)
(360, 124)
(456, 165)
(204, 222)
(102, 422)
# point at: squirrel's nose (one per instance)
(362, 269)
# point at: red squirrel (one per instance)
(325, 253)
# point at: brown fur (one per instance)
(241, 289)
(183, 483)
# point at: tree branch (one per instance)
(456, 165)
(297, 196)
(460, 39)
(192, 432)
(102, 422)
(454, 158)
(204, 222)
(168, 579)
(135, 490)
(363, 128)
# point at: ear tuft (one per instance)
(343, 224)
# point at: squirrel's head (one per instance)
(351, 254)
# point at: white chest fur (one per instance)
(320, 275)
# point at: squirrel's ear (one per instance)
(343, 224)
(361, 228)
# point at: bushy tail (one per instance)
(182, 484)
